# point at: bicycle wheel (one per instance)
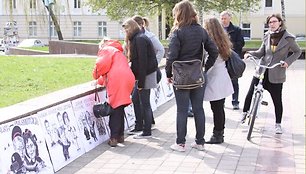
(253, 114)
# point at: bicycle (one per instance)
(257, 95)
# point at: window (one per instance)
(33, 4)
(32, 28)
(268, 3)
(102, 28)
(77, 3)
(77, 28)
(266, 28)
(52, 30)
(246, 31)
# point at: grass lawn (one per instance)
(26, 77)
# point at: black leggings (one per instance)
(275, 90)
(217, 107)
(116, 122)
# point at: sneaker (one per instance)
(236, 107)
(243, 117)
(190, 114)
(153, 127)
(178, 147)
(278, 128)
(134, 132)
(197, 146)
(142, 136)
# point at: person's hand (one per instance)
(170, 80)
(246, 55)
(139, 89)
(94, 83)
(284, 65)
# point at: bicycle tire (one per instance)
(253, 114)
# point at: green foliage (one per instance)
(117, 10)
(25, 77)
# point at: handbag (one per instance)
(187, 74)
(101, 109)
(235, 65)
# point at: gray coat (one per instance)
(286, 44)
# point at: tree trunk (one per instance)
(283, 10)
(55, 22)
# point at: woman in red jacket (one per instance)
(112, 70)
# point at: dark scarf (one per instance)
(276, 36)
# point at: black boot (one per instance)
(216, 138)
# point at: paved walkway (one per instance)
(265, 153)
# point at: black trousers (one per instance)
(116, 122)
(275, 90)
(217, 108)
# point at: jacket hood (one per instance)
(114, 43)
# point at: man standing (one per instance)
(238, 42)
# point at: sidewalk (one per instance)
(265, 153)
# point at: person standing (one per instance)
(276, 44)
(216, 75)
(140, 52)
(112, 70)
(238, 43)
(159, 51)
(187, 38)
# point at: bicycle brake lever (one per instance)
(282, 62)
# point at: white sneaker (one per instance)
(197, 146)
(278, 128)
(178, 147)
(243, 117)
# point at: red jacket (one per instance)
(112, 70)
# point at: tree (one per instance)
(120, 9)
(48, 4)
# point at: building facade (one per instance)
(78, 22)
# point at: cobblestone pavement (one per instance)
(265, 153)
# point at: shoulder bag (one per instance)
(101, 109)
(188, 74)
(235, 65)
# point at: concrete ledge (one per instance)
(24, 51)
(68, 47)
(37, 104)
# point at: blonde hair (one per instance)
(184, 14)
(219, 36)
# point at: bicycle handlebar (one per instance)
(264, 66)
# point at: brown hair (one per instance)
(279, 17)
(139, 20)
(184, 14)
(131, 27)
(219, 36)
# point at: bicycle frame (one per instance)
(257, 96)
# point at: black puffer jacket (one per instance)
(143, 57)
(186, 44)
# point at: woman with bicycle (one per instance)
(277, 42)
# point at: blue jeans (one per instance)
(235, 95)
(143, 110)
(182, 98)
